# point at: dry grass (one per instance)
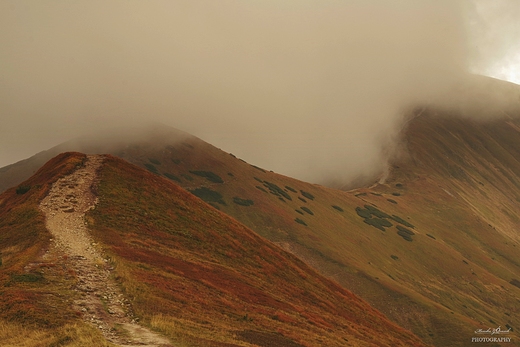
(70, 335)
(200, 277)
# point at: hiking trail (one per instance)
(101, 301)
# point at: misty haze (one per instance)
(288, 173)
(312, 89)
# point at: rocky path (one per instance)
(101, 301)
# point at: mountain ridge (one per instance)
(188, 270)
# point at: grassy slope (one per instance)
(35, 303)
(458, 281)
(205, 279)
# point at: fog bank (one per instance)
(311, 89)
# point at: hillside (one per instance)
(456, 261)
(435, 247)
(188, 271)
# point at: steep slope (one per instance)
(36, 294)
(455, 271)
(417, 284)
(188, 270)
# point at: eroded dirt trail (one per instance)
(101, 302)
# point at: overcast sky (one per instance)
(308, 88)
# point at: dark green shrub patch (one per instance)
(298, 220)
(376, 194)
(405, 236)
(300, 212)
(307, 195)
(431, 236)
(275, 190)
(291, 189)
(242, 202)
(376, 212)
(394, 257)
(258, 168)
(399, 185)
(307, 210)
(402, 221)
(396, 194)
(302, 199)
(392, 201)
(28, 277)
(208, 195)
(22, 190)
(262, 189)
(230, 174)
(210, 176)
(405, 233)
(151, 168)
(258, 179)
(172, 177)
(361, 194)
(336, 207)
(405, 230)
(515, 282)
(154, 161)
(364, 213)
(379, 223)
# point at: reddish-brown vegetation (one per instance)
(178, 257)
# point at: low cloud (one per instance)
(311, 89)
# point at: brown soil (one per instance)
(101, 301)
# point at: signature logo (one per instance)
(493, 331)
